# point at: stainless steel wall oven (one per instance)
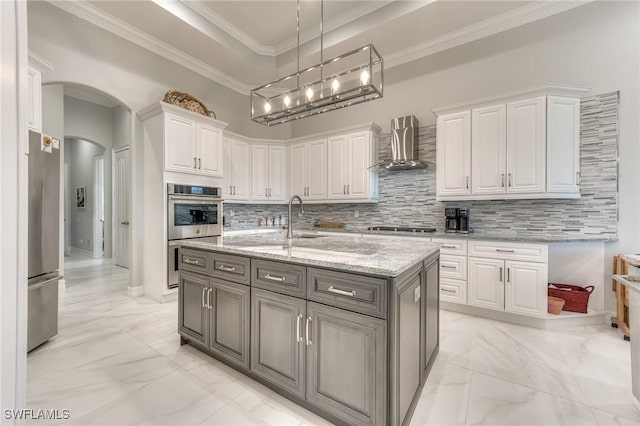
(192, 212)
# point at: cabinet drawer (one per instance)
(232, 268)
(453, 267)
(453, 290)
(508, 251)
(451, 246)
(353, 292)
(195, 260)
(279, 277)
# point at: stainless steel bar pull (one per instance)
(227, 268)
(209, 301)
(199, 163)
(503, 180)
(298, 325)
(195, 163)
(332, 289)
(204, 290)
(446, 290)
(308, 331)
(274, 278)
(448, 267)
(190, 261)
(505, 251)
(501, 273)
(508, 275)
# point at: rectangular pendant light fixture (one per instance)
(345, 80)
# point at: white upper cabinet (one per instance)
(453, 151)
(563, 144)
(523, 146)
(268, 172)
(192, 143)
(308, 170)
(489, 150)
(237, 172)
(350, 157)
(526, 146)
(180, 144)
(34, 100)
(210, 150)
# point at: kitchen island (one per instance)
(343, 326)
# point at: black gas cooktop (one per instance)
(401, 229)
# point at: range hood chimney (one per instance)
(404, 145)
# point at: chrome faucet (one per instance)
(289, 227)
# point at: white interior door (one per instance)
(121, 208)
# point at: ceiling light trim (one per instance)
(230, 29)
(98, 17)
(488, 27)
(345, 19)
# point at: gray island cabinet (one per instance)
(348, 341)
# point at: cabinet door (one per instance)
(228, 165)
(489, 150)
(563, 144)
(526, 288)
(526, 146)
(431, 296)
(346, 364)
(259, 172)
(277, 173)
(210, 151)
(337, 170)
(317, 170)
(193, 314)
(241, 153)
(180, 144)
(229, 321)
(486, 283)
(34, 100)
(358, 165)
(298, 172)
(277, 344)
(453, 154)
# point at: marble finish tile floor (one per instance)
(117, 361)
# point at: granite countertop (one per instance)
(388, 258)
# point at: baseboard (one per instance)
(168, 297)
(88, 253)
(636, 402)
(566, 319)
(136, 291)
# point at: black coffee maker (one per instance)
(456, 220)
(451, 222)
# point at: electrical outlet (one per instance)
(356, 213)
(231, 212)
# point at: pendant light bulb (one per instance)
(267, 107)
(309, 94)
(364, 77)
(335, 86)
(287, 101)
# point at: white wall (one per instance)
(81, 155)
(121, 126)
(95, 123)
(596, 45)
(84, 54)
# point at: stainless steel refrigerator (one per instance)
(44, 225)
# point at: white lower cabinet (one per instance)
(526, 288)
(486, 283)
(453, 269)
(501, 276)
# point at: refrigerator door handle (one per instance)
(42, 283)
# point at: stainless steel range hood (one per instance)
(404, 145)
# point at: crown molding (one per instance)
(39, 63)
(230, 29)
(96, 16)
(488, 27)
(564, 90)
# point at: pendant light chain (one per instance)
(298, 49)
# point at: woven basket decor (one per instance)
(188, 102)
